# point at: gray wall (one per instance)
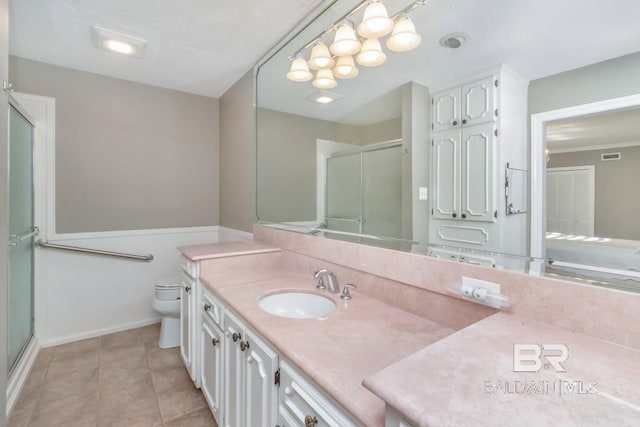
(286, 163)
(237, 156)
(4, 209)
(128, 155)
(604, 80)
(381, 132)
(617, 194)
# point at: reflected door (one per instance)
(571, 200)
(344, 193)
(21, 241)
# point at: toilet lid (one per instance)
(169, 283)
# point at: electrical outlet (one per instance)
(423, 193)
(481, 291)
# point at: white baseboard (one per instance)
(19, 376)
(99, 332)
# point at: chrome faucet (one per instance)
(332, 281)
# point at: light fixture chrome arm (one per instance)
(346, 16)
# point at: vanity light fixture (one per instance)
(346, 45)
(114, 41)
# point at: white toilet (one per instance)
(166, 302)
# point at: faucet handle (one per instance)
(345, 291)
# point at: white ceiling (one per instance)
(536, 38)
(196, 46)
(617, 128)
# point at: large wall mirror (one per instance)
(429, 150)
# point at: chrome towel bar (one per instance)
(44, 244)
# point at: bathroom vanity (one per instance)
(370, 363)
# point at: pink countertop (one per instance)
(359, 339)
(225, 249)
(468, 378)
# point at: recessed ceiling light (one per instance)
(323, 97)
(114, 41)
(454, 40)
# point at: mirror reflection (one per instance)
(427, 151)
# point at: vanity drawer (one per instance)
(211, 307)
(189, 267)
(299, 399)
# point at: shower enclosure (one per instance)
(22, 235)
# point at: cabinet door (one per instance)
(233, 362)
(446, 170)
(260, 391)
(186, 294)
(211, 340)
(477, 173)
(478, 102)
(446, 110)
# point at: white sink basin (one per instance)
(297, 305)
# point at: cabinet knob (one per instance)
(215, 341)
(207, 307)
(236, 336)
(244, 345)
(464, 121)
(455, 215)
(187, 289)
(310, 421)
(464, 215)
(455, 123)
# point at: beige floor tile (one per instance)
(201, 418)
(118, 394)
(45, 356)
(165, 359)
(124, 370)
(177, 402)
(118, 339)
(83, 382)
(66, 412)
(71, 363)
(150, 337)
(121, 353)
(20, 416)
(142, 413)
(78, 347)
(170, 378)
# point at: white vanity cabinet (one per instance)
(479, 126)
(469, 104)
(188, 316)
(250, 365)
(211, 344)
(301, 404)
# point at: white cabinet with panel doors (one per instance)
(211, 345)
(478, 128)
(188, 319)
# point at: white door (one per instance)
(477, 173)
(260, 393)
(211, 338)
(233, 370)
(446, 110)
(446, 170)
(186, 292)
(478, 102)
(571, 200)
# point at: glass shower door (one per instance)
(22, 234)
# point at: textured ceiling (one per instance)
(197, 46)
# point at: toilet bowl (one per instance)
(166, 302)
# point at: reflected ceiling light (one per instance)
(375, 22)
(345, 41)
(346, 46)
(324, 79)
(299, 71)
(324, 97)
(114, 41)
(404, 36)
(345, 68)
(371, 54)
(320, 57)
(454, 40)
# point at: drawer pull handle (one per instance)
(207, 307)
(244, 345)
(215, 341)
(187, 289)
(236, 336)
(310, 421)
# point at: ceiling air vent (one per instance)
(610, 156)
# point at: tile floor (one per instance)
(123, 379)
